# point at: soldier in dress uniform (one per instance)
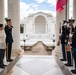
(69, 49)
(64, 39)
(9, 39)
(2, 46)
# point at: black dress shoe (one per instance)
(9, 60)
(1, 66)
(73, 71)
(68, 65)
(63, 59)
(4, 65)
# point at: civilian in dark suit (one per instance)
(9, 39)
(74, 50)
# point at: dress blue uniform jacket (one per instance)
(65, 34)
(8, 32)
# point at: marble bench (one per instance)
(28, 45)
(49, 45)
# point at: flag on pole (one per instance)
(60, 4)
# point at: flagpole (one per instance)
(66, 12)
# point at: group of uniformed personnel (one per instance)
(6, 40)
(67, 37)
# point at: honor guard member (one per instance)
(64, 40)
(9, 39)
(69, 49)
(2, 46)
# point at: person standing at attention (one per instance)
(9, 39)
(2, 46)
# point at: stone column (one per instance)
(14, 15)
(68, 10)
(2, 11)
(74, 10)
(59, 19)
(57, 50)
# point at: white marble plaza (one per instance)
(37, 65)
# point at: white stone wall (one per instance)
(50, 25)
(30, 23)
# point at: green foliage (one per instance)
(21, 28)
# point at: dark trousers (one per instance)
(63, 51)
(8, 50)
(2, 53)
(69, 57)
(74, 55)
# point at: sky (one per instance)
(28, 6)
(32, 6)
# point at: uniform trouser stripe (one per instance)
(71, 57)
(65, 51)
(6, 50)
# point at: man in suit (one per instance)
(74, 50)
(9, 39)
